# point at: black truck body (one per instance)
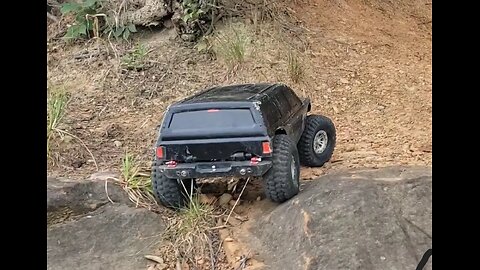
(228, 131)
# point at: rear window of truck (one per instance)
(212, 118)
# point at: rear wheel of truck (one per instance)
(282, 180)
(172, 193)
(317, 142)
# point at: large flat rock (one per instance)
(98, 234)
(362, 219)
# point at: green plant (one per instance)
(137, 185)
(295, 69)
(135, 59)
(86, 18)
(204, 45)
(122, 31)
(57, 100)
(232, 47)
(191, 233)
(195, 216)
(192, 10)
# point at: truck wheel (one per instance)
(170, 192)
(282, 180)
(317, 142)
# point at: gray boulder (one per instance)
(361, 219)
(86, 231)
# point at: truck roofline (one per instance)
(178, 107)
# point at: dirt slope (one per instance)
(367, 65)
(372, 73)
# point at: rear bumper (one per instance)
(216, 169)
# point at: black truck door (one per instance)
(292, 108)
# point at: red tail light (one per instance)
(255, 160)
(171, 164)
(266, 147)
(160, 152)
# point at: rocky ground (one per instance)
(87, 231)
(360, 219)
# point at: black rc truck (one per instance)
(239, 130)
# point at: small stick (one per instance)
(212, 258)
(106, 190)
(51, 17)
(218, 227)
(177, 256)
(236, 202)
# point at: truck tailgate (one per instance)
(212, 149)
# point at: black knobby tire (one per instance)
(280, 184)
(313, 125)
(170, 192)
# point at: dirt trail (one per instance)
(372, 73)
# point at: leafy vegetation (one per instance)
(91, 21)
(191, 233)
(135, 60)
(86, 18)
(57, 101)
(192, 10)
(121, 31)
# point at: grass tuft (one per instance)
(295, 69)
(136, 58)
(191, 235)
(137, 184)
(232, 47)
(57, 101)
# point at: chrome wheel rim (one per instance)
(293, 171)
(320, 142)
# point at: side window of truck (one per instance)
(291, 97)
(283, 104)
(270, 111)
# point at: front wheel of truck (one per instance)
(317, 142)
(171, 193)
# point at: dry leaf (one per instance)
(154, 258)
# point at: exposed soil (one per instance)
(367, 66)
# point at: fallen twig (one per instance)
(427, 22)
(154, 258)
(52, 17)
(106, 190)
(218, 227)
(236, 202)
(243, 262)
(212, 256)
(178, 263)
